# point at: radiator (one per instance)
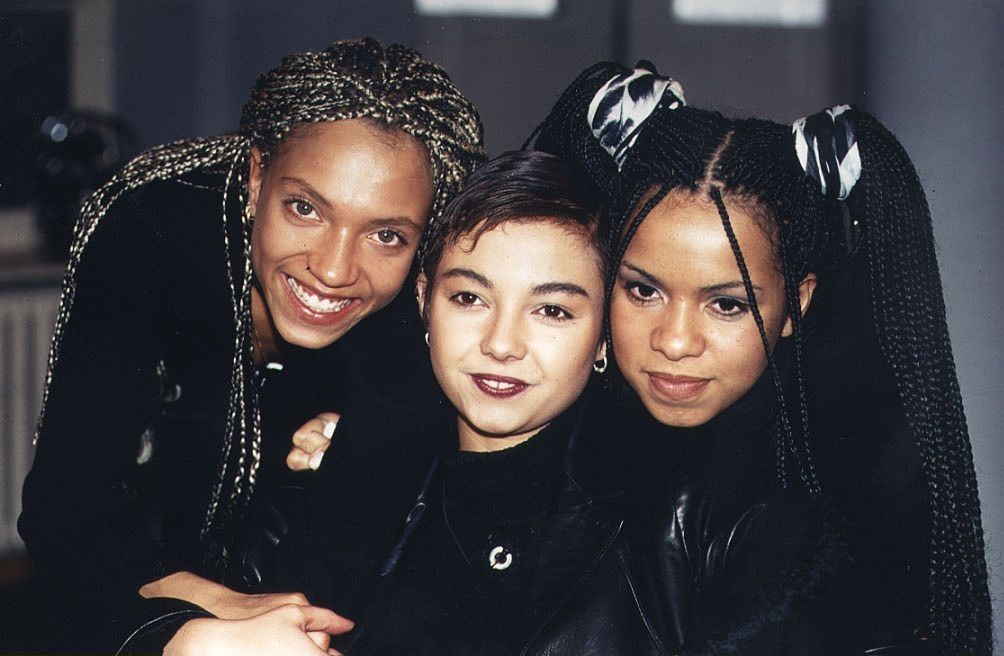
(28, 304)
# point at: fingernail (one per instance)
(315, 460)
(329, 429)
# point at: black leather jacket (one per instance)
(624, 572)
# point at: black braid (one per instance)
(909, 312)
(806, 465)
(785, 440)
(558, 133)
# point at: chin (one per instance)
(496, 429)
(677, 417)
(310, 338)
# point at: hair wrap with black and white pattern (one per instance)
(827, 148)
(620, 107)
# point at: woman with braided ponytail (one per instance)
(725, 231)
(221, 291)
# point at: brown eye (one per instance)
(303, 208)
(465, 298)
(555, 312)
(388, 237)
(730, 307)
(641, 292)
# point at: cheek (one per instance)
(572, 357)
(450, 336)
(386, 275)
(259, 248)
(271, 242)
(743, 356)
(629, 331)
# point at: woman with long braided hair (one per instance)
(219, 292)
(725, 231)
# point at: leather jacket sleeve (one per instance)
(355, 506)
(767, 579)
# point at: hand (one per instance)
(311, 441)
(218, 599)
(288, 630)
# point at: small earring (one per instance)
(427, 338)
(600, 365)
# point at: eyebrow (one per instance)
(643, 273)
(474, 276)
(539, 290)
(308, 190)
(729, 286)
(559, 288)
(385, 222)
(709, 289)
(396, 222)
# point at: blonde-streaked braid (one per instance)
(391, 86)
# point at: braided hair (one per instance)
(392, 87)
(752, 164)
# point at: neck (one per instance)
(471, 439)
(265, 339)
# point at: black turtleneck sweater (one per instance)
(471, 560)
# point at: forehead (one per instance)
(354, 166)
(685, 233)
(359, 135)
(527, 251)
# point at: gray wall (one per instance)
(185, 67)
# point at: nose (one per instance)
(503, 338)
(678, 334)
(333, 258)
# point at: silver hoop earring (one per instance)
(600, 365)
(427, 338)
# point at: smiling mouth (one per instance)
(677, 388)
(317, 304)
(499, 387)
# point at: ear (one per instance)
(421, 284)
(255, 175)
(806, 289)
(601, 352)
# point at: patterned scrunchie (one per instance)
(622, 105)
(827, 149)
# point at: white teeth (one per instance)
(314, 302)
(498, 384)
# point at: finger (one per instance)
(310, 441)
(309, 435)
(297, 460)
(297, 598)
(322, 619)
(320, 638)
(314, 462)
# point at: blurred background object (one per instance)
(75, 153)
(75, 73)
